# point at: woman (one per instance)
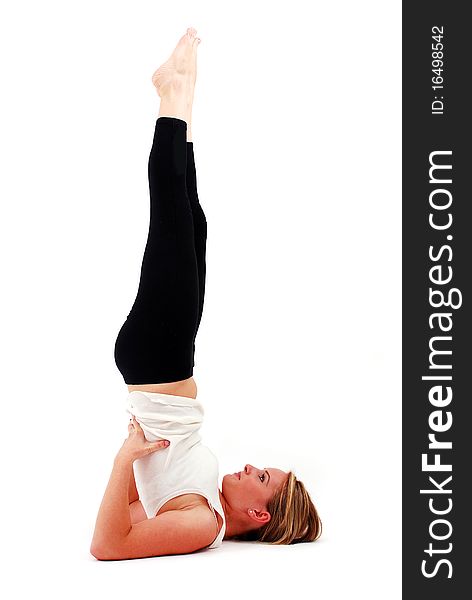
(162, 496)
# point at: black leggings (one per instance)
(156, 344)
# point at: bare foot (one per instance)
(181, 68)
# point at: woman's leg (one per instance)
(156, 343)
(199, 228)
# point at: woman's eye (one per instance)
(263, 475)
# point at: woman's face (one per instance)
(252, 488)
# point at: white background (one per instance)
(296, 130)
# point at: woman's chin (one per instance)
(228, 478)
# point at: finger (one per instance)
(138, 429)
(159, 445)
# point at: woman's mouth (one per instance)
(238, 474)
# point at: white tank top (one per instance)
(186, 466)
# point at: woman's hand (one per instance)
(136, 445)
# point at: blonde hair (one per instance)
(294, 518)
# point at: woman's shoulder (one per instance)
(194, 524)
(199, 508)
(212, 520)
(185, 501)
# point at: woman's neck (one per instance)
(236, 524)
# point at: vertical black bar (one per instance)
(437, 269)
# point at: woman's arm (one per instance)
(113, 521)
(173, 532)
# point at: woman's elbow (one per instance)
(97, 552)
(102, 551)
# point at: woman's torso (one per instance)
(189, 500)
(185, 387)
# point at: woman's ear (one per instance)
(261, 516)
